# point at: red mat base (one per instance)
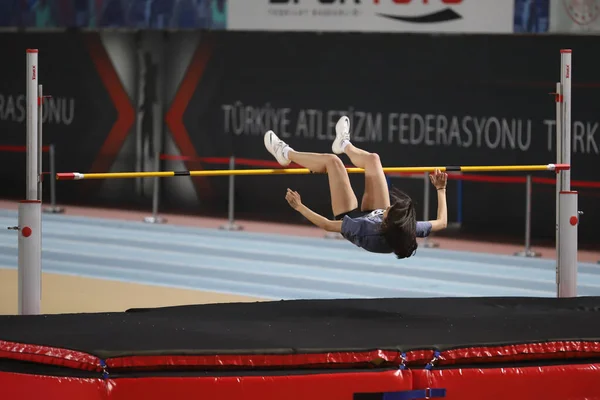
(291, 387)
(558, 382)
(543, 382)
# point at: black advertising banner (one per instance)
(414, 99)
(77, 118)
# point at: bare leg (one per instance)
(376, 194)
(343, 198)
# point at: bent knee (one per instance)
(373, 164)
(333, 162)
(373, 159)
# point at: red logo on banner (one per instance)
(448, 2)
(33, 77)
(323, 2)
(445, 15)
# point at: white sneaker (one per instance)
(342, 132)
(275, 146)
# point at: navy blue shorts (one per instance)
(356, 213)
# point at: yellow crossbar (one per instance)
(303, 171)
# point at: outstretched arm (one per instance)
(293, 198)
(439, 179)
(319, 220)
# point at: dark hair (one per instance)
(399, 226)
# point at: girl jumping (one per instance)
(386, 222)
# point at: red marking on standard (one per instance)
(562, 167)
(573, 220)
(566, 51)
(32, 50)
(26, 231)
(65, 175)
(568, 192)
(30, 201)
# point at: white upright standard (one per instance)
(32, 125)
(30, 210)
(567, 217)
(559, 133)
(567, 257)
(40, 152)
(30, 279)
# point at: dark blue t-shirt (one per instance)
(365, 231)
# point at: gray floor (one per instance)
(276, 266)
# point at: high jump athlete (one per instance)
(386, 222)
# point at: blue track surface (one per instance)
(276, 266)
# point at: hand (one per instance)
(293, 198)
(439, 179)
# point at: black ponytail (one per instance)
(400, 225)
